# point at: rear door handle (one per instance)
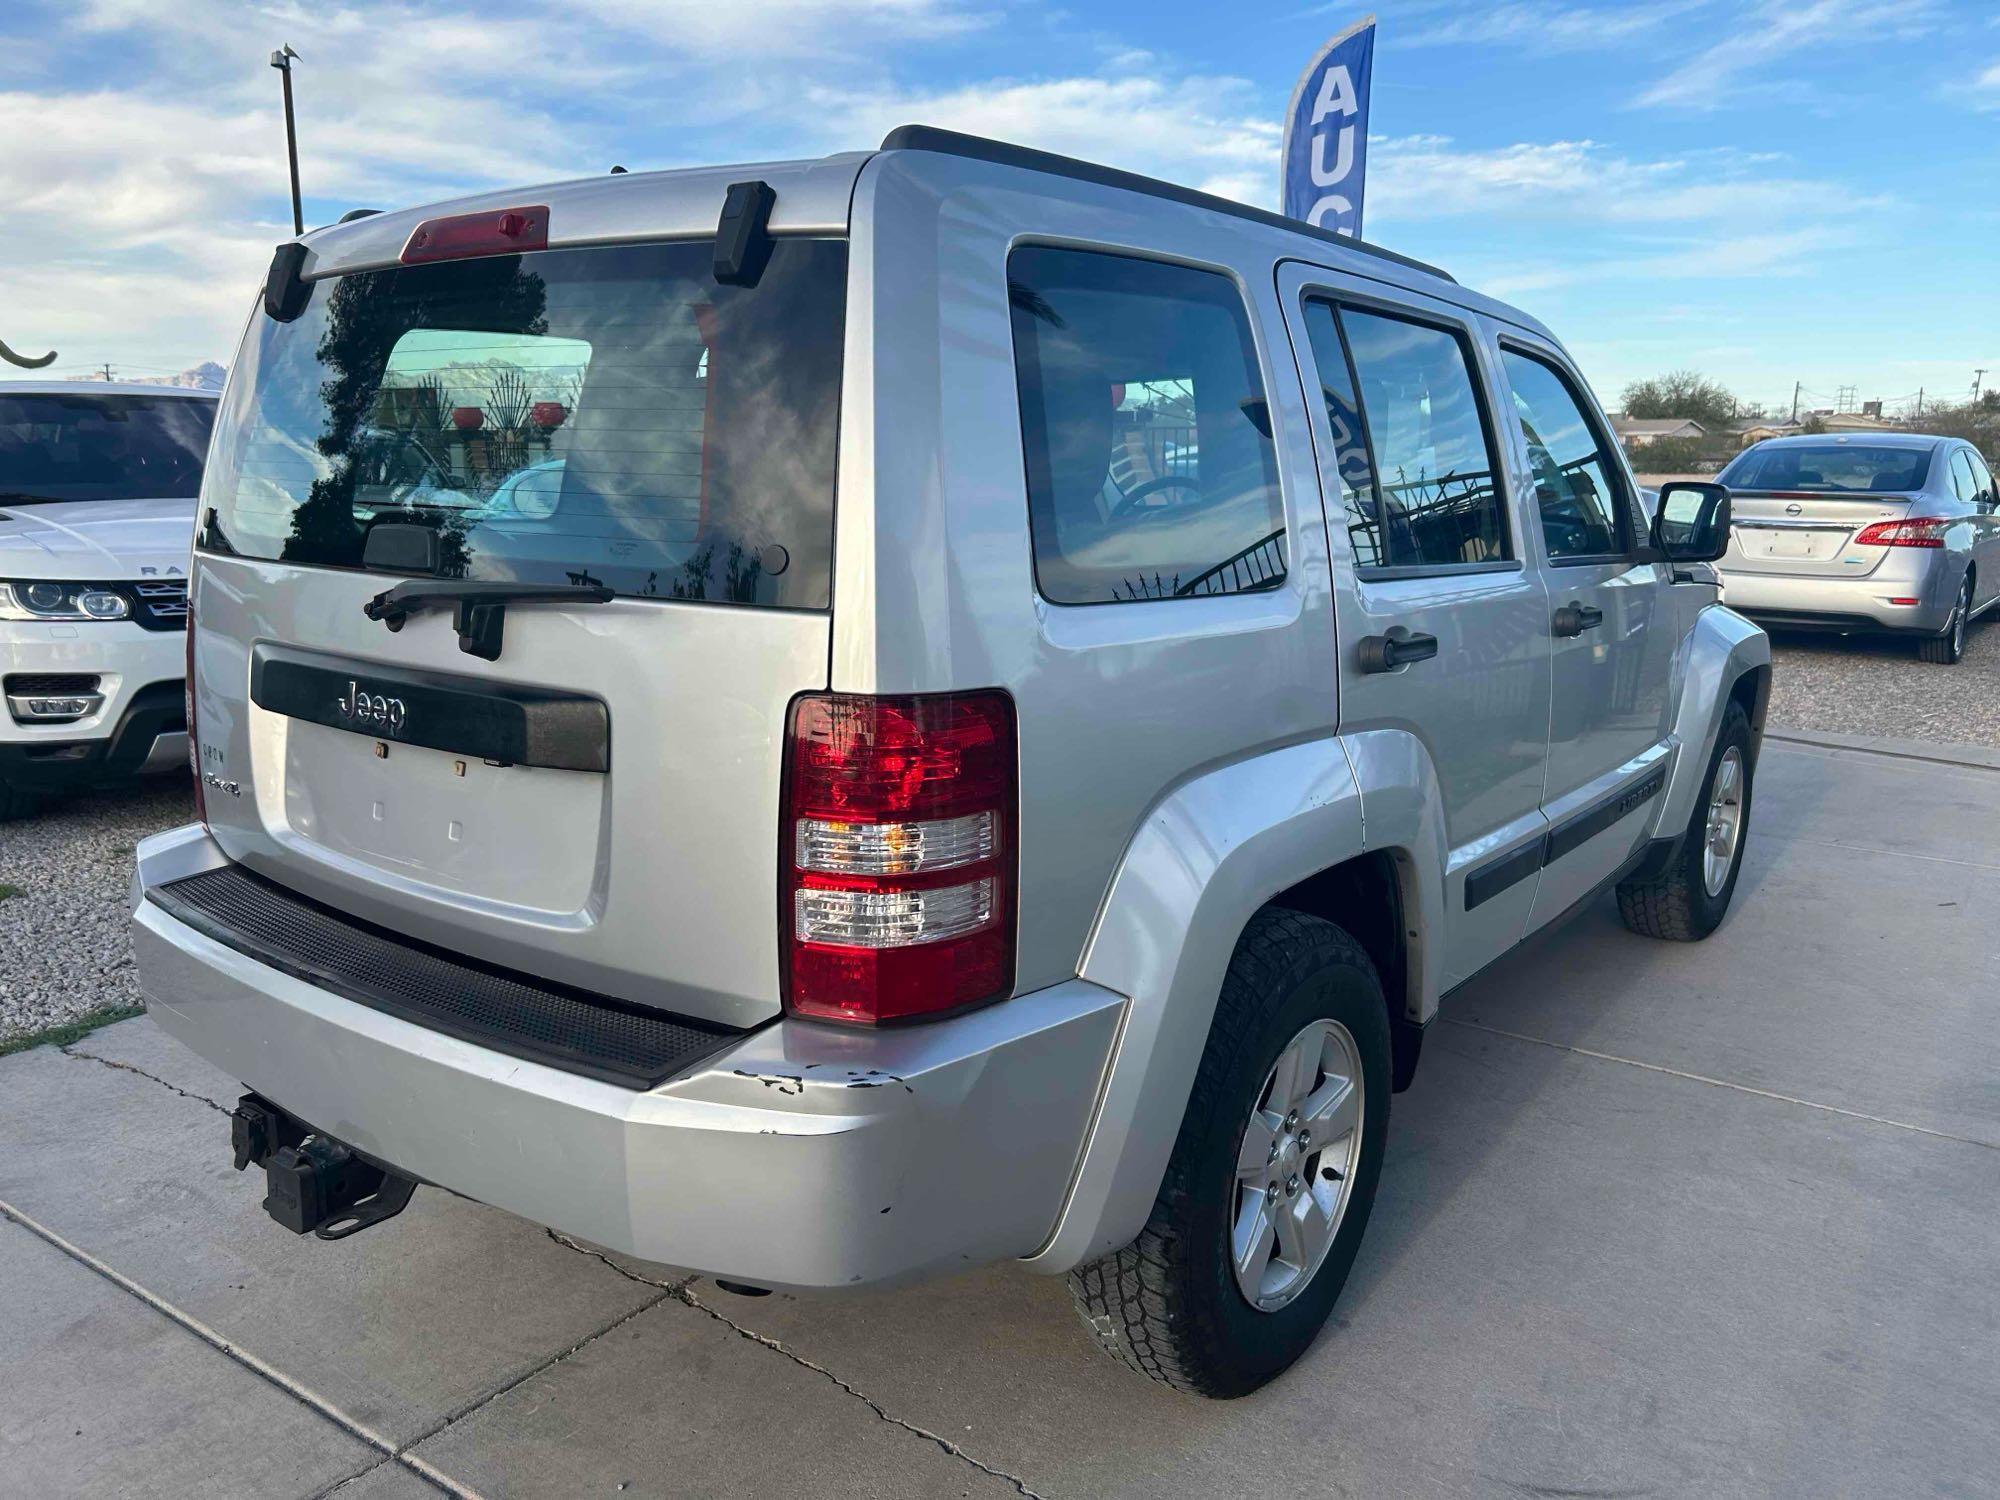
(1385, 653)
(1576, 617)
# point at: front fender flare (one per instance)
(1720, 648)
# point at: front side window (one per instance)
(1982, 479)
(1151, 472)
(1963, 484)
(610, 416)
(1576, 480)
(1421, 492)
(58, 446)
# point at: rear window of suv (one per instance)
(610, 416)
(1834, 468)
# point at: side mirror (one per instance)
(1691, 521)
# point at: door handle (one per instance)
(1576, 617)
(1385, 653)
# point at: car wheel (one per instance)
(1946, 650)
(15, 803)
(1272, 1177)
(1688, 902)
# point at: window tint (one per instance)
(1422, 493)
(1962, 484)
(1576, 481)
(608, 415)
(84, 447)
(1982, 479)
(1150, 468)
(1830, 468)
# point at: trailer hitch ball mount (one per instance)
(313, 1184)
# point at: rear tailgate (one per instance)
(596, 805)
(1806, 535)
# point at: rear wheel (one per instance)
(1272, 1177)
(1945, 650)
(1688, 902)
(16, 803)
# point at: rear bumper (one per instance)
(139, 726)
(801, 1156)
(1852, 604)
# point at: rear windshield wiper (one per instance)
(480, 609)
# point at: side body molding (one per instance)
(1200, 864)
(1720, 647)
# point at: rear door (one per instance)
(1428, 553)
(1612, 625)
(595, 802)
(1986, 509)
(1798, 507)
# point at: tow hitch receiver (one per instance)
(313, 1183)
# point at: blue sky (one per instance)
(1788, 190)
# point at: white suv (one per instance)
(833, 722)
(97, 500)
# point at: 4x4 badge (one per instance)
(374, 709)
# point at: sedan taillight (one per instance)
(1916, 531)
(897, 854)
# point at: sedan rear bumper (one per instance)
(1851, 604)
(800, 1155)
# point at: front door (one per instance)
(1428, 558)
(1612, 628)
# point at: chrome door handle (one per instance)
(1576, 617)
(1385, 653)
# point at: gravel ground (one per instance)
(1876, 685)
(63, 949)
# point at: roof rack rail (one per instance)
(979, 148)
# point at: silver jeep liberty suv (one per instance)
(832, 722)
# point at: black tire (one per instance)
(1168, 1304)
(16, 803)
(1679, 906)
(1948, 649)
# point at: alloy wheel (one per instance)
(1725, 822)
(1295, 1167)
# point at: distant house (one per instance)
(1756, 432)
(1636, 432)
(1848, 421)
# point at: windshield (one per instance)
(1834, 468)
(603, 416)
(100, 447)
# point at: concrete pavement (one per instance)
(1710, 1219)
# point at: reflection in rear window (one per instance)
(607, 416)
(1832, 467)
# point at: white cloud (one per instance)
(1778, 29)
(1543, 28)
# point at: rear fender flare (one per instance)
(1200, 864)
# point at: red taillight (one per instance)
(498, 231)
(194, 748)
(897, 855)
(1916, 531)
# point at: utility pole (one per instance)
(1977, 376)
(1797, 385)
(1920, 402)
(282, 61)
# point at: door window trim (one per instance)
(1467, 338)
(1609, 454)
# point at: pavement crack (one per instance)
(125, 1067)
(680, 1291)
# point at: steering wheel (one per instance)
(1139, 492)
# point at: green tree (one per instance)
(1686, 394)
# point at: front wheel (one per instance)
(1689, 902)
(1947, 649)
(1272, 1177)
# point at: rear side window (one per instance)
(1421, 494)
(1831, 468)
(59, 446)
(1151, 473)
(1963, 484)
(608, 416)
(1576, 480)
